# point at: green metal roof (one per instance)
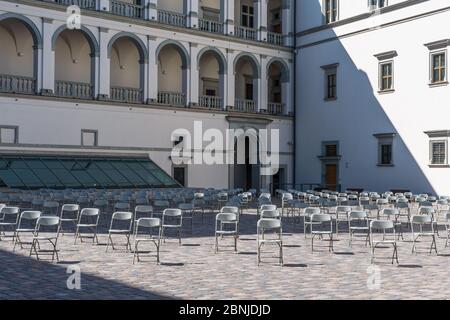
(31, 172)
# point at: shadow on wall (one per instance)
(352, 120)
(26, 278)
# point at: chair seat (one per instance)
(359, 228)
(25, 230)
(146, 239)
(321, 232)
(171, 226)
(385, 241)
(7, 223)
(65, 220)
(86, 225)
(270, 241)
(45, 238)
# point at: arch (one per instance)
(95, 49)
(219, 56)
(179, 47)
(285, 75)
(37, 37)
(143, 52)
(253, 61)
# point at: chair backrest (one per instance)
(447, 217)
(10, 210)
(269, 224)
(267, 207)
(90, 212)
(382, 201)
(382, 225)
(426, 204)
(47, 221)
(101, 203)
(122, 206)
(70, 208)
(186, 206)
(51, 204)
(122, 216)
(358, 215)
(270, 214)
(148, 223)
(426, 211)
(30, 215)
(226, 217)
(310, 211)
(161, 203)
(172, 213)
(229, 209)
(422, 219)
(390, 211)
(343, 209)
(143, 209)
(320, 217)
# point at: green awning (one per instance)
(31, 172)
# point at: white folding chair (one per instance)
(342, 216)
(69, 213)
(50, 226)
(319, 221)
(423, 222)
(222, 228)
(9, 217)
(386, 227)
(264, 227)
(358, 222)
(148, 224)
(307, 218)
(27, 225)
(88, 220)
(125, 219)
(172, 219)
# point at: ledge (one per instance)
(438, 84)
(439, 166)
(386, 91)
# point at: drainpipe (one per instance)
(295, 95)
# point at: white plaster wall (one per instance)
(360, 111)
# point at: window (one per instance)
(385, 149)
(9, 134)
(438, 153)
(386, 76)
(89, 138)
(247, 16)
(438, 67)
(377, 4)
(331, 11)
(438, 62)
(386, 71)
(330, 81)
(331, 150)
(249, 89)
(438, 148)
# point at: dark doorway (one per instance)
(331, 176)
(246, 176)
(179, 174)
(278, 180)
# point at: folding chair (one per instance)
(342, 211)
(91, 217)
(307, 218)
(172, 219)
(318, 220)
(223, 220)
(423, 221)
(270, 214)
(50, 208)
(361, 218)
(43, 224)
(123, 218)
(143, 211)
(148, 224)
(188, 212)
(69, 213)
(274, 226)
(27, 225)
(385, 226)
(9, 219)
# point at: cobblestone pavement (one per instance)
(193, 271)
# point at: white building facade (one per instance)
(137, 71)
(372, 95)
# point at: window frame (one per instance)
(434, 53)
(95, 132)
(16, 134)
(382, 140)
(248, 15)
(330, 70)
(327, 15)
(439, 136)
(377, 6)
(381, 76)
